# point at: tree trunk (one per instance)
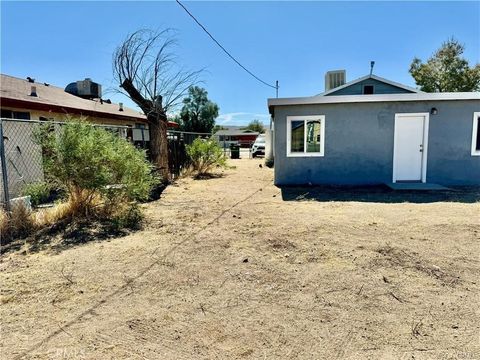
(158, 146)
(157, 126)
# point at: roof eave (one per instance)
(17, 103)
(339, 99)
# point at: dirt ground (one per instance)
(233, 267)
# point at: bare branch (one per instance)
(145, 61)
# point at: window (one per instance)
(305, 135)
(367, 89)
(476, 134)
(9, 114)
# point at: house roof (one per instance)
(15, 92)
(339, 99)
(235, 132)
(371, 76)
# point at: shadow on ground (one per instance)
(379, 194)
(65, 235)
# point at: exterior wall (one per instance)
(36, 114)
(379, 87)
(359, 143)
(244, 140)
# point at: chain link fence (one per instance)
(21, 158)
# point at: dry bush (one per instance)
(17, 224)
(50, 216)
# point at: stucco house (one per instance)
(373, 131)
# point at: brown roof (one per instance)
(16, 92)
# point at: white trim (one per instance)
(425, 143)
(341, 99)
(374, 77)
(321, 118)
(475, 125)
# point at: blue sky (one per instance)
(292, 42)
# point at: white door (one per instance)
(410, 146)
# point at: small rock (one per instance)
(245, 260)
(275, 195)
(286, 255)
(454, 326)
(234, 215)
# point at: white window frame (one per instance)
(320, 118)
(475, 152)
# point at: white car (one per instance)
(258, 147)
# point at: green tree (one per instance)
(198, 113)
(446, 70)
(255, 125)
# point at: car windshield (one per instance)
(260, 140)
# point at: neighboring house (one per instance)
(372, 131)
(244, 138)
(29, 100)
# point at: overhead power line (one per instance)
(225, 50)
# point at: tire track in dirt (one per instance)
(91, 310)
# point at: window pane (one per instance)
(313, 136)
(297, 139)
(21, 115)
(368, 89)
(7, 114)
(477, 145)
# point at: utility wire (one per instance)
(225, 50)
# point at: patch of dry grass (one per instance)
(18, 224)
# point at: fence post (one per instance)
(4, 168)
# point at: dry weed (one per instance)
(19, 223)
(50, 216)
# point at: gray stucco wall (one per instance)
(359, 143)
(379, 88)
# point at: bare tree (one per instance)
(146, 70)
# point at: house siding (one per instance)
(36, 114)
(359, 143)
(379, 88)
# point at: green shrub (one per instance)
(205, 155)
(39, 192)
(95, 167)
(130, 217)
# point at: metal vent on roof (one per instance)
(33, 91)
(334, 79)
(86, 89)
